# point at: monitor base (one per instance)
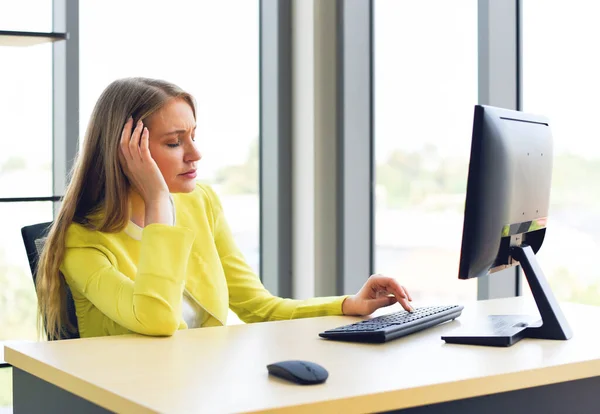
(495, 330)
(506, 330)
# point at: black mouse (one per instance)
(300, 372)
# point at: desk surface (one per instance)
(224, 369)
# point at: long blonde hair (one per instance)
(97, 194)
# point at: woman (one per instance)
(146, 249)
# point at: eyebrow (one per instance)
(178, 131)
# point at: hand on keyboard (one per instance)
(379, 291)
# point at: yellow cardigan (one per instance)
(122, 285)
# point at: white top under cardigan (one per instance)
(193, 314)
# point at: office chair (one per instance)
(34, 237)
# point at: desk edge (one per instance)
(448, 391)
(75, 385)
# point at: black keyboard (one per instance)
(394, 325)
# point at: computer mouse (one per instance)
(299, 372)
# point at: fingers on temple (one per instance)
(144, 145)
(134, 143)
(126, 137)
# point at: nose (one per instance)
(192, 154)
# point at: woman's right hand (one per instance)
(138, 164)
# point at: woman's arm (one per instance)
(150, 304)
(248, 298)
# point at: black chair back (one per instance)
(34, 237)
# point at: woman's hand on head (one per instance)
(138, 164)
(379, 291)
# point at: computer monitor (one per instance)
(506, 212)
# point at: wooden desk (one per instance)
(223, 370)
(3, 363)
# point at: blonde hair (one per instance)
(97, 194)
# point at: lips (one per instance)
(189, 174)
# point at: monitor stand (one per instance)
(505, 330)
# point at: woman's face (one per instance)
(172, 134)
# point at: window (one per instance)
(26, 15)
(210, 49)
(25, 171)
(425, 88)
(26, 119)
(25, 166)
(18, 301)
(560, 81)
